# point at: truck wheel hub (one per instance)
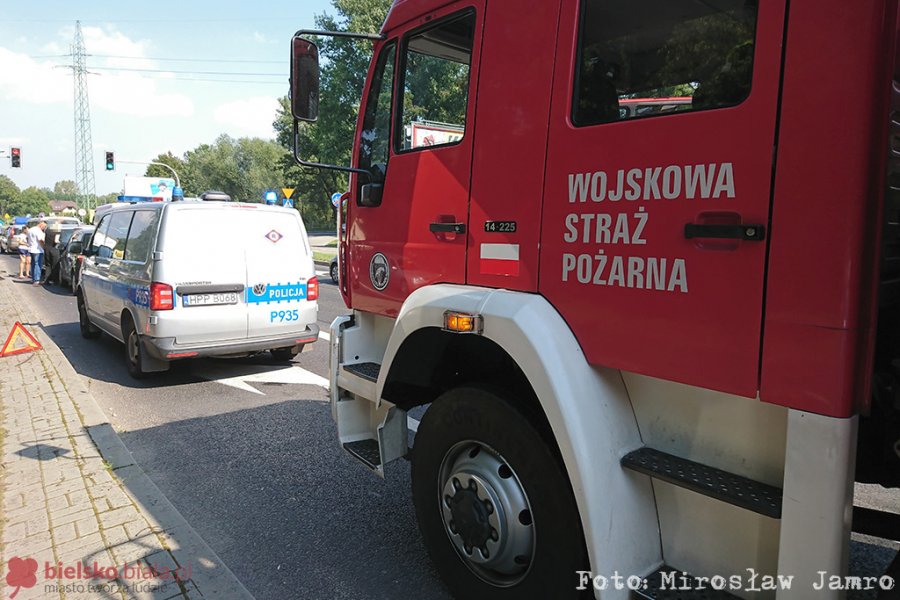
(486, 513)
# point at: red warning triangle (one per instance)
(19, 334)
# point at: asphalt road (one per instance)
(247, 452)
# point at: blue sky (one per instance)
(140, 114)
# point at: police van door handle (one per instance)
(749, 233)
(447, 228)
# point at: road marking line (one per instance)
(324, 335)
(412, 423)
(261, 374)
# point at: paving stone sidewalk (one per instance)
(72, 494)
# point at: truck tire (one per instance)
(493, 502)
(88, 329)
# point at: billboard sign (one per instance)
(149, 187)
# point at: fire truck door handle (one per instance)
(447, 228)
(749, 233)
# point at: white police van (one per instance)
(175, 280)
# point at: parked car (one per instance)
(157, 277)
(8, 243)
(333, 269)
(56, 237)
(71, 257)
(51, 221)
(19, 240)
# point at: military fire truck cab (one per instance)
(652, 342)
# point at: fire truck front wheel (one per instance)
(494, 505)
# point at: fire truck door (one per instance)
(656, 201)
(408, 228)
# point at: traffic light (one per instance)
(110, 161)
(16, 155)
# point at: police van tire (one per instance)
(133, 351)
(533, 539)
(88, 329)
(285, 354)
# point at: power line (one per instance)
(284, 83)
(209, 60)
(166, 21)
(244, 73)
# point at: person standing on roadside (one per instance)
(36, 249)
(51, 254)
(24, 256)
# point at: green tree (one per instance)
(167, 159)
(107, 198)
(9, 196)
(244, 168)
(32, 201)
(330, 139)
(65, 187)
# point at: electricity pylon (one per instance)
(84, 151)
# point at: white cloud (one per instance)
(253, 116)
(27, 80)
(131, 94)
(46, 82)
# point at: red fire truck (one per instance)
(657, 348)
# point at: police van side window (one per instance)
(112, 240)
(435, 86)
(98, 241)
(643, 58)
(141, 235)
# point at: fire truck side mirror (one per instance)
(304, 79)
(370, 195)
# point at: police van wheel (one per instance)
(494, 505)
(88, 329)
(133, 351)
(284, 354)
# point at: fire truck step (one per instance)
(737, 490)
(677, 585)
(366, 370)
(366, 451)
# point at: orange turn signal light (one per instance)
(458, 322)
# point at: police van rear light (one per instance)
(312, 289)
(161, 296)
